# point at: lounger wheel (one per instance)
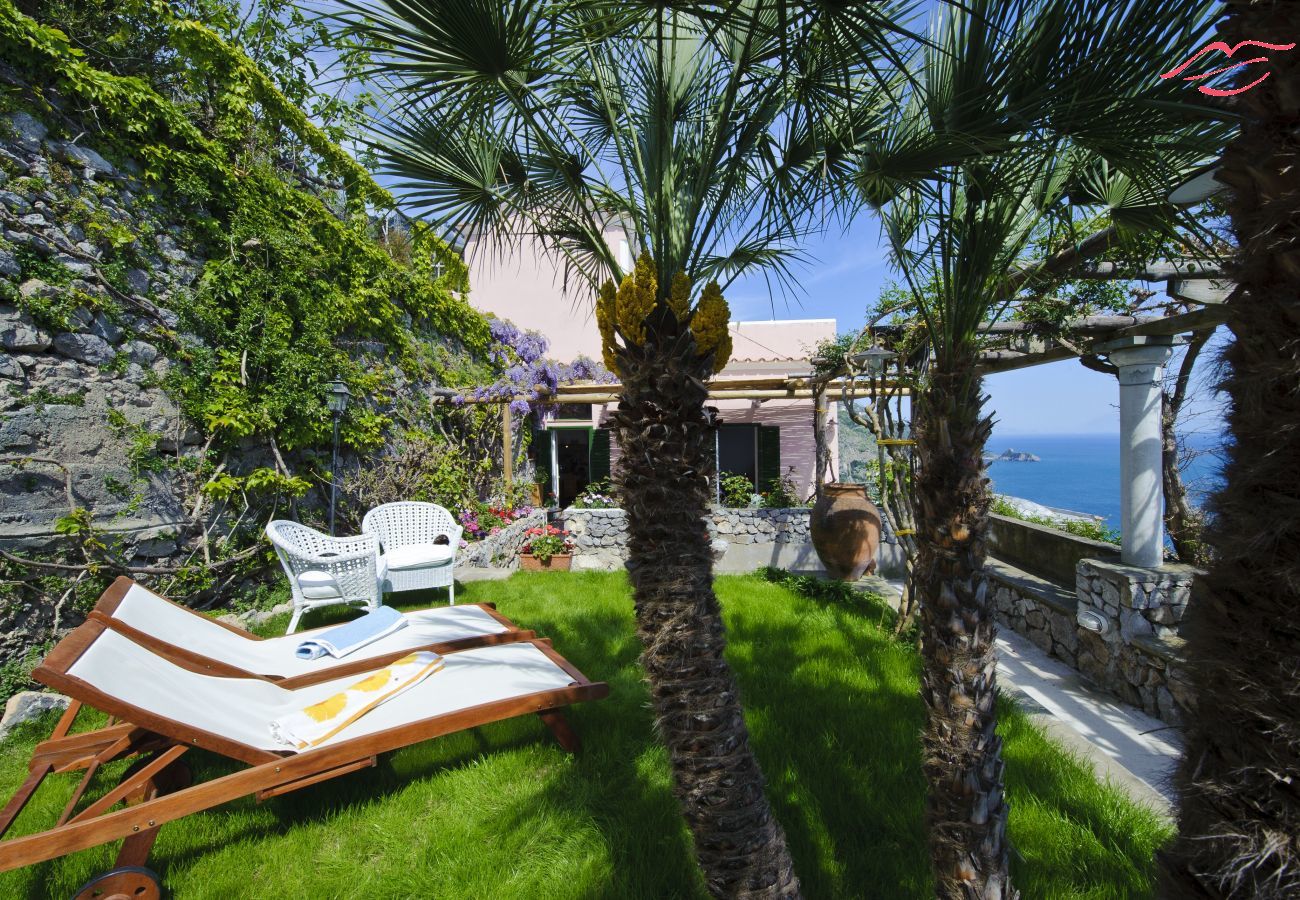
(125, 883)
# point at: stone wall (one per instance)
(88, 395)
(1117, 624)
(85, 351)
(1037, 608)
(1138, 652)
(94, 263)
(1050, 552)
(742, 539)
(500, 550)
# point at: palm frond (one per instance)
(714, 132)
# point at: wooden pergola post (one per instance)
(821, 452)
(507, 443)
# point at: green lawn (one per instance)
(502, 812)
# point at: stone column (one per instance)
(1141, 361)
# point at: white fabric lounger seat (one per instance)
(241, 709)
(164, 705)
(146, 612)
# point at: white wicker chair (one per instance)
(324, 570)
(413, 558)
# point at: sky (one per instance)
(845, 274)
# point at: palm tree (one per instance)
(700, 129)
(1239, 781)
(1018, 114)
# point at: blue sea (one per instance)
(1080, 472)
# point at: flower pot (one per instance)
(560, 562)
(845, 527)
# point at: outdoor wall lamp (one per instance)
(336, 399)
(1093, 621)
(874, 359)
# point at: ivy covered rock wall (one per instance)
(183, 269)
(86, 340)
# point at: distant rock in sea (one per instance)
(1010, 455)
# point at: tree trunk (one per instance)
(965, 806)
(665, 470)
(1180, 518)
(1184, 524)
(1239, 781)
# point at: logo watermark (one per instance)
(1221, 47)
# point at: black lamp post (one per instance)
(337, 401)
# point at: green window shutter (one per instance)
(769, 457)
(542, 455)
(599, 454)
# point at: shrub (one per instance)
(737, 491)
(780, 493)
(1093, 531)
(483, 519)
(597, 495)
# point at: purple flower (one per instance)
(526, 370)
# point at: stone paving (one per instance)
(1125, 745)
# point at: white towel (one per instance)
(310, 727)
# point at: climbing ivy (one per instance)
(306, 277)
(293, 283)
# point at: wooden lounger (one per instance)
(203, 644)
(160, 709)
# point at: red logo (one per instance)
(1221, 47)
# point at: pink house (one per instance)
(762, 439)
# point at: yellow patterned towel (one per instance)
(306, 728)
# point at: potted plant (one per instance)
(548, 548)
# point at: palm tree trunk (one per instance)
(665, 470)
(1239, 781)
(965, 806)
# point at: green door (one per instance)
(600, 454)
(769, 457)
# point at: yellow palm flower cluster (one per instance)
(605, 312)
(709, 325)
(623, 310)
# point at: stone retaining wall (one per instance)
(1136, 656)
(1037, 608)
(742, 539)
(500, 550)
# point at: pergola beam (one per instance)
(1079, 325)
(732, 383)
(613, 396)
(735, 387)
(1156, 270)
(993, 361)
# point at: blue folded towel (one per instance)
(339, 642)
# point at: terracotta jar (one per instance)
(845, 530)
